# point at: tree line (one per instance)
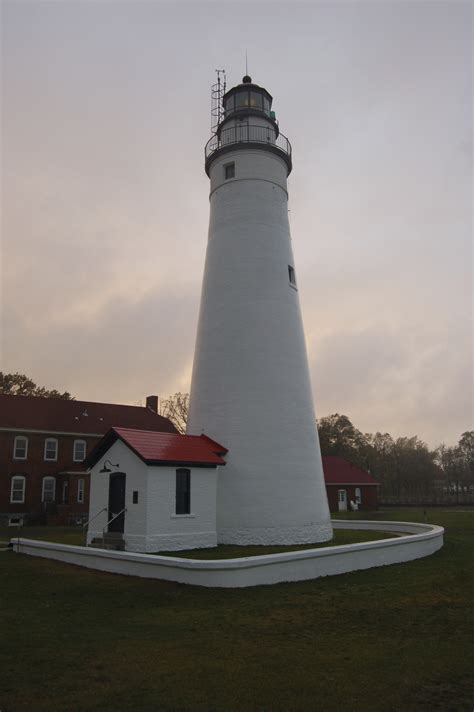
(17, 384)
(406, 468)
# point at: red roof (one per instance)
(73, 416)
(162, 448)
(338, 471)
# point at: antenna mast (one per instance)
(217, 94)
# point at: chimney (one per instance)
(152, 403)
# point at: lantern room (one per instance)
(249, 98)
(244, 116)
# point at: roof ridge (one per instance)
(74, 401)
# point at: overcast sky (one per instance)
(106, 110)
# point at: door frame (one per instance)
(342, 501)
(117, 480)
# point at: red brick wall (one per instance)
(368, 496)
(35, 468)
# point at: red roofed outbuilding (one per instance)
(346, 483)
(153, 491)
(43, 444)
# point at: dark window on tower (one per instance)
(291, 275)
(183, 491)
(229, 170)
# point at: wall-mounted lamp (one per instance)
(107, 469)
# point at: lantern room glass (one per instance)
(247, 98)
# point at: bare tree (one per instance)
(176, 408)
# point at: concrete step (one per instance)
(112, 541)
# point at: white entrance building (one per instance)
(153, 491)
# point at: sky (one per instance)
(104, 198)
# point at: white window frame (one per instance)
(17, 478)
(358, 495)
(78, 459)
(80, 490)
(18, 457)
(12, 523)
(51, 459)
(48, 478)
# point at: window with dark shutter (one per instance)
(183, 491)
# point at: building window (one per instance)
(17, 494)
(79, 451)
(358, 495)
(20, 449)
(65, 492)
(51, 449)
(49, 489)
(183, 491)
(291, 275)
(229, 170)
(80, 491)
(15, 520)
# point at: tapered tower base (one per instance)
(278, 536)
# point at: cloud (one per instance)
(105, 211)
(416, 383)
(129, 349)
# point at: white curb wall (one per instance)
(412, 541)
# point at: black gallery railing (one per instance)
(245, 133)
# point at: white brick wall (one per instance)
(151, 524)
(251, 388)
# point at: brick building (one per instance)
(43, 443)
(346, 483)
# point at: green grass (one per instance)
(73, 535)
(396, 638)
(61, 535)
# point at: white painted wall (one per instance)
(424, 540)
(168, 531)
(136, 479)
(251, 388)
(151, 524)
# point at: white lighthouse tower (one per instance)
(251, 388)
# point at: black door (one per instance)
(117, 501)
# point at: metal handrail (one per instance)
(247, 133)
(104, 509)
(110, 522)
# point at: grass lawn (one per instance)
(73, 535)
(62, 535)
(394, 638)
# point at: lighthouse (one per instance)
(251, 387)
